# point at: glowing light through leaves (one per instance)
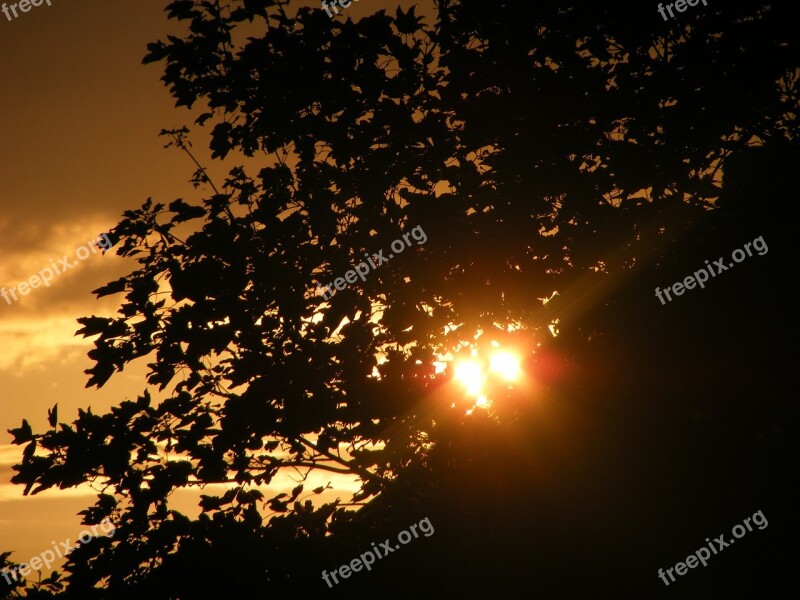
(506, 365)
(470, 374)
(476, 376)
(482, 402)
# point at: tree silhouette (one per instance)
(541, 147)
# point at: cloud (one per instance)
(33, 250)
(39, 327)
(31, 342)
(11, 455)
(35, 243)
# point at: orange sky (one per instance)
(79, 123)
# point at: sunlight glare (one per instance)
(482, 402)
(506, 365)
(470, 374)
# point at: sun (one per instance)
(469, 373)
(506, 365)
(473, 374)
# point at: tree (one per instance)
(541, 148)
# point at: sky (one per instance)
(79, 144)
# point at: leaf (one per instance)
(407, 22)
(220, 140)
(92, 326)
(296, 492)
(22, 434)
(180, 9)
(114, 287)
(185, 212)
